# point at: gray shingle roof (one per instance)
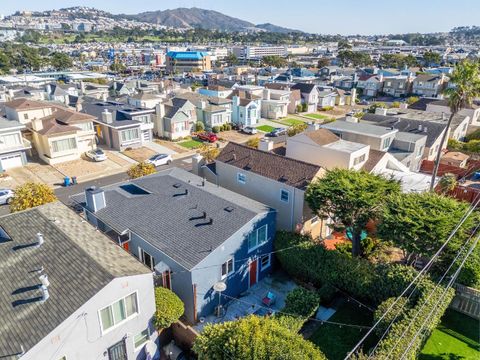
(166, 216)
(78, 260)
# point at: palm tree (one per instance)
(466, 80)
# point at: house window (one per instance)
(257, 238)
(314, 220)
(25, 116)
(130, 135)
(241, 178)
(88, 126)
(359, 160)
(64, 145)
(180, 126)
(146, 258)
(284, 195)
(119, 311)
(265, 262)
(10, 140)
(227, 268)
(420, 151)
(141, 338)
(386, 143)
(216, 119)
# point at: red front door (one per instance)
(126, 246)
(253, 272)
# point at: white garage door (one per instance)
(11, 161)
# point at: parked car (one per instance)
(208, 136)
(96, 155)
(277, 132)
(160, 159)
(249, 130)
(6, 196)
(364, 102)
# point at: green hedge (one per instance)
(300, 304)
(169, 308)
(312, 263)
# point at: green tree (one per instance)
(351, 199)
(141, 169)
(322, 62)
(447, 182)
(30, 195)
(343, 44)
(60, 61)
(117, 66)
(169, 308)
(418, 223)
(274, 60)
(466, 80)
(431, 58)
(199, 126)
(231, 59)
(253, 142)
(296, 129)
(5, 64)
(209, 153)
(412, 100)
(253, 337)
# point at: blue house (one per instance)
(191, 233)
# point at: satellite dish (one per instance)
(220, 286)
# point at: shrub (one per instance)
(327, 108)
(296, 129)
(301, 302)
(304, 107)
(474, 135)
(253, 337)
(209, 153)
(141, 169)
(359, 115)
(412, 99)
(227, 127)
(395, 105)
(199, 126)
(326, 293)
(377, 105)
(216, 129)
(169, 308)
(397, 313)
(299, 108)
(253, 142)
(30, 195)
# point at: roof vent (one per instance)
(425, 129)
(40, 239)
(177, 185)
(420, 127)
(228, 209)
(44, 280)
(45, 294)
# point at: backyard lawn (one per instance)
(334, 341)
(289, 121)
(457, 337)
(317, 116)
(191, 144)
(265, 128)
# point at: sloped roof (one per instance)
(322, 136)
(26, 104)
(78, 260)
(374, 156)
(276, 167)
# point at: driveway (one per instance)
(33, 172)
(237, 136)
(159, 149)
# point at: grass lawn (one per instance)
(317, 116)
(336, 342)
(191, 144)
(265, 128)
(457, 337)
(289, 121)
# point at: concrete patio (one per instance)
(251, 301)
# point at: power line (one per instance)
(434, 290)
(410, 295)
(420, 273)
(435, 307)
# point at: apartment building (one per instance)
(258, 52)
(187, 61)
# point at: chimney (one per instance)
(95, 199)
(44, 280)
(420, 127)
(265, 145)
(236, 101)
(37, 124)
(160, 110)
(40, 240)
(82, 87)
(78, 106)
(381, 111)
(197, 163)
(266, 94)
(104, 96)
(425, 129)
(48, 89)
(203, 104)
(107, 117)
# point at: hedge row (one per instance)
(314, 264)
(300, 304)
(378, 284)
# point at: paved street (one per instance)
(64, 193)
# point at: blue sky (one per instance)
(319, 16)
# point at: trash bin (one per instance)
(66, 181)
(74, 180)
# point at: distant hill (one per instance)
(201, 18)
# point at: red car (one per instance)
(210, 137)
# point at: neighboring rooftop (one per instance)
(78, 260)
(359, 128)
(178, 213)
(276, 167)
(24, 104)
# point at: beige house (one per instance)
(62, 136)
(24, 110)
(274, 180)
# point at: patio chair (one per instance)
(269, 299)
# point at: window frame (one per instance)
(257, 243)
(239, 175)
(284, 191)
(226, 263)
(141, 253)
(127, 318)
(135, 347)
(262, 267)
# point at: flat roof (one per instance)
(359, 128)
(345, 146)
